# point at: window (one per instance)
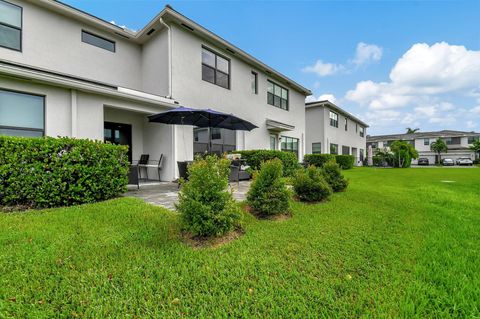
(215, 69)
(362, 131)
(273, 142)
(346, 124)
(333, 119)
(334, 149)
(216, 133)
(374, 145)
(254, 82)
(448, 141)
(362, 156)
(98, 41)
(345, 150)
(290, 144)
(10, 26)
(356, 128)
(316, 148)
(222, 140)
(426, 141)
(472, 139)
(21, 114)
(277, 95)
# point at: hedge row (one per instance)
(319, 160)
(49, 172)
(254, 159)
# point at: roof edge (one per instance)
(327, 103)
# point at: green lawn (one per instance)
(398, 243)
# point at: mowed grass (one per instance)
(398, 243)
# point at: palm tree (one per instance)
(438, 147)
(412, 130)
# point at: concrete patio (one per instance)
(165, 194)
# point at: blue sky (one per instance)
(393, 63)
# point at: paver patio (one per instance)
(165, 194)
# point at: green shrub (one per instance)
(318, 160)
(205, 204)
(255, 158)
(345, 161)
(49, 172)
(268, 194)
(310, 185)
(333, 176)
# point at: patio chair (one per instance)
(235, 171)
(141, 164)
(158, 165)
(133, 176)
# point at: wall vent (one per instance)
(151, 31)
(188, 27)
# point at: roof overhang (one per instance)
(336, 108)
(276, 126)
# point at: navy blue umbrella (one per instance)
(202, 118)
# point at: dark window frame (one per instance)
(287, 108)
(19, 128)
(100, 37)
(333, 122)
(286, 149)
(346, 124)
(215, 70)
(362, 131)
(318, 152)
(255, 74)
(14, 27)
(336, 147)
(426, 141)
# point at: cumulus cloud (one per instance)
(321, 68)
(323, 97)
(367, 53)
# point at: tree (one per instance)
(412, 130)
(439, 147)
(476, 148)
(403, 153)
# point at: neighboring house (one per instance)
(64, 72)
(458, 143)
(332, 130)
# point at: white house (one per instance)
(332, 130)
(458, 143)
(64, 72)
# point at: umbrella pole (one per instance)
(209, 140)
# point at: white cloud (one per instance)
(323, 97)
(429, 111)
(476, 110)
(321, 68)
(367, 53)
(471, 125)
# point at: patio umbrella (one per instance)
(202, 118)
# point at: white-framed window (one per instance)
(333, 119)
(289, 144)
(362, 131)
(334, 149)
(273, 142)
(426, 141)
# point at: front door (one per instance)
(118, 133)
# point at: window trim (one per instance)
(255, 74)
(100, 37)
(288, 95)
(330, 149)
(331, 119)
(319, 143)
(292, 150)
(216, 69)
(18, 128)
(346, 124)
(16, 28)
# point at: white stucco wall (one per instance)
(155, 66)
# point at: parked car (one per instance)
(448, 162)
(423, 161)
(464, 161)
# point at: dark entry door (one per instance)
(118, 133)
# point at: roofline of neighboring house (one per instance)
(61, 80)
(420, 135)
(329, 104)
(168, 12)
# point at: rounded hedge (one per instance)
(50, 172)
(333, 175)
(318, 160)
(310, 185)
(345, 161)
(255, 158)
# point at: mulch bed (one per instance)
(198, 242)
(279, 217)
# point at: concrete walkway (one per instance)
(165, 194)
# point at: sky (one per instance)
(393, 63)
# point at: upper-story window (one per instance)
(472, 139)
(277, 95)
(362, 131)
(254, 82)
(21, 114)
(426, 141)
(10, 26)
(98, 41)
(356, 128)
(346, 124)
(215, 68)
(333, 119)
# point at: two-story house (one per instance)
(332, 130)
(64, 72)
(458, 143)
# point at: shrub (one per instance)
(255, 158)
(345, 161)
(403, 153)
(205, 205)
(49, 172)
(310, 185)
(318, 160)
(333, 176)
(268, 194)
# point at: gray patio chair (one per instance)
(133, 178)
(141, 164)
(158, 166)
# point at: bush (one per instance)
(205, 205)
(318, 160)
(345, 161)
(268, 194)
(50, 172)
(477, 161)
(333, 176)
(255, 158)
(310, 185)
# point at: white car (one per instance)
(464, 161)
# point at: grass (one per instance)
(398, 243)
